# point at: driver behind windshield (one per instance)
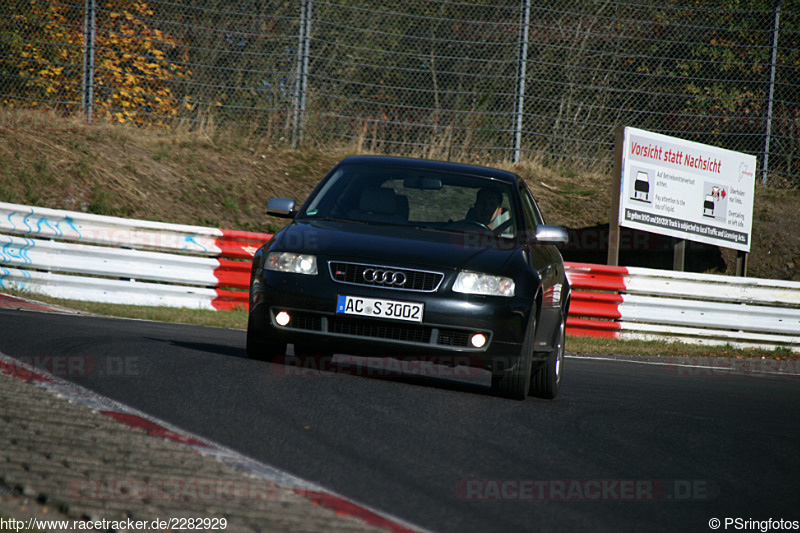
(488, 209)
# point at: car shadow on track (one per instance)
(411, 372)
(208, 347)
(408, 371)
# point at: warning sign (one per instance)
(686, 190)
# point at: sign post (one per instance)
(682, 189)
(613, 227)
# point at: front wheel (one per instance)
(514, 384)
(258, 347)
(546, 381)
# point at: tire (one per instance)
(546, 381)
(514, 384)
(258, 347)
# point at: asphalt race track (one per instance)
(626, 446)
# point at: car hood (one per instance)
(395, 245)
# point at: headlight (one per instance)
(289, 262)
(476, 283)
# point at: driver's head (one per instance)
(487, 203)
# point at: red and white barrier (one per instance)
(640, 303)
(73, 255)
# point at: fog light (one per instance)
(478, 340)
(282, 318)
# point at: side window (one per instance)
(532, 216)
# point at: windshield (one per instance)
(416, 197)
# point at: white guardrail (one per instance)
(641, 303)
(79, 256)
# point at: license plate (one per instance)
(379, 308)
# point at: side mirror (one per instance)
(551, 235)
(281, 207)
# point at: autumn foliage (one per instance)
(137, 67)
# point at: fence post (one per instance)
(89, 32)
(523, 61)
(774, 59)
(301, 84)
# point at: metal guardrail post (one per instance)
(679, 255)
(741, 264)
(89, 33)
(773, 62)
(301, 83)
(616, 181)
(523, 61)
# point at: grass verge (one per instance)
(236, 319)
(591, 345)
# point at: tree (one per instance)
(137, 66)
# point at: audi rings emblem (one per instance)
(384, 277)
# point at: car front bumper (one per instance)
(450, 320)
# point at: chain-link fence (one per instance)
(450, 79)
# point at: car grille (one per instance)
(379, 329)
(412, 280)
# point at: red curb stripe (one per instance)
(347, 508)
(152, 428)
(12, 302)
(341, 506)
(21, 372)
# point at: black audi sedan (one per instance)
(410, 258)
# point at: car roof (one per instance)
(445, 166)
